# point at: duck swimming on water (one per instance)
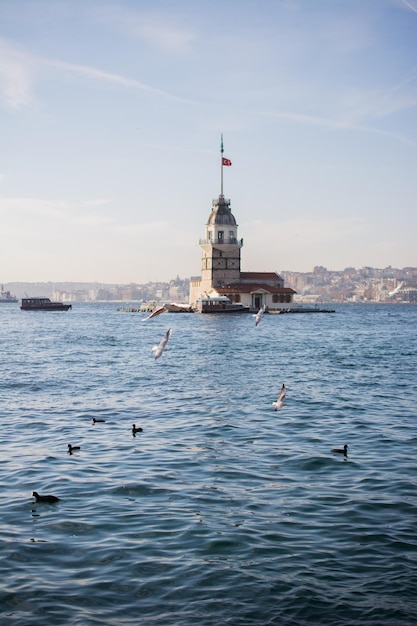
(341, 450)
(95, 420)
(71, 448)
(40, 498)
(136, 430)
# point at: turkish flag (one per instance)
(226, 161)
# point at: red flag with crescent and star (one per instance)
(226, 161)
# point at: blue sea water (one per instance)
(222, 511)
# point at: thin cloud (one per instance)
(91, 220)
(18, 70)
(83, 213)
(107, 77)
(410, 6)
(306, 231)
(334, 124)
(43, 215)
(157, 30)
(34, 207)
(176, 148)
(133, 230)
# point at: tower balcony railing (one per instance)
(220, 200)
(223, 241)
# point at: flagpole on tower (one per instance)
(221, 162)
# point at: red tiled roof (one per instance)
(252, 287)
(255, 276)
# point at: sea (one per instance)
(221, 511)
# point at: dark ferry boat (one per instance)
(43, 304)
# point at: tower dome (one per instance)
(221, 213)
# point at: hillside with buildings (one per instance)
(367, 284)
(176, 289)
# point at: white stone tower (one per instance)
(220, 261)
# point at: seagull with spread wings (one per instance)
(156, 311)
(158, 350)
(278, 404)
(259, 314)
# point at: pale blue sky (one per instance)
(110, 121)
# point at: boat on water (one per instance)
(43, 304)
(178, 307)
(6, 296)
(220, 304)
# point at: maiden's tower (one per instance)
(221, 273)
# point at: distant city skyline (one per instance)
(368, 284)
(111, 115)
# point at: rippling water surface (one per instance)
(222, 511)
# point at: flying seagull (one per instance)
(158, 350)
(278, 404)
(156, 311)
(259, 314)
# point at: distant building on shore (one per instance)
(221, 273)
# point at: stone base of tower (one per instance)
(200, 288)
(195, 291)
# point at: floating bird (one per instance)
(95, 420)
(158, 350)
(71, 448)
(278, 404)
(40, 498)
(136, 430)
(341, 450)
(259, 314)
(157, 311)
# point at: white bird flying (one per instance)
(157, 311)
(158, 350)
(398, 287)
(278, 404)
(259, 314)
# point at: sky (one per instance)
(111, 114)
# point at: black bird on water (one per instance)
(40, 498)
(341, 450)
(71, 448)
(136, 430)
(95, 420)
